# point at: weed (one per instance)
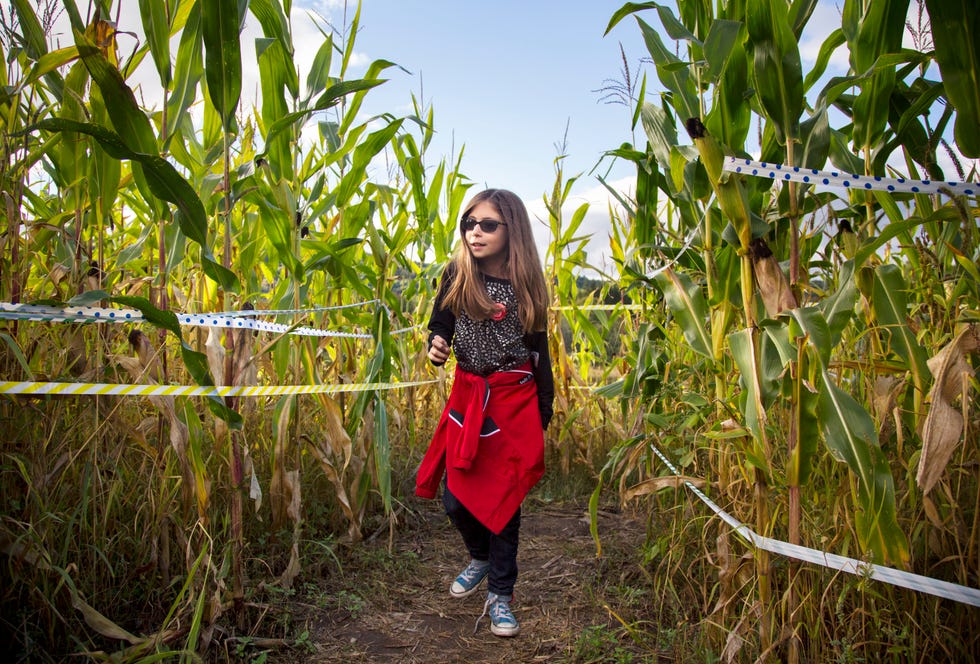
(600, 644)
(350, 602)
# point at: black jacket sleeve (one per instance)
(442, 322)
(537, 342)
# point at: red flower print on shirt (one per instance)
(499, 311)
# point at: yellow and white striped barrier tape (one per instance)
(125, 389)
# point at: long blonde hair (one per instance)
(467, 291)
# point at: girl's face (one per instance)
(487, 247)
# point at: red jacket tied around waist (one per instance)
(489, 442)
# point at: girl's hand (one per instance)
(438, 350)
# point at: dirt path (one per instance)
(397, 607)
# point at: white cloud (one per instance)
(596, 222)
(826, 17)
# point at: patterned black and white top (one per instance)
(497, 344)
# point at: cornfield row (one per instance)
(805, 352)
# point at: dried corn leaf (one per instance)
(932, 513)
(100, 623)
(777, 296)
(726, 571)
(95, 620)
(885, 396)
(735, 641)
(215, 352)
(295, 496)
(293, 487)
(654, 484)
(884, 401)
(333, 429)
(943, 426)
(254, 488)
(278, 498)
(148, 356)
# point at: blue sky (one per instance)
(505, 78)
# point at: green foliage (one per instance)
(819, 396)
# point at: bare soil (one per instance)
(388, 600)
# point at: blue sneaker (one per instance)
(502, 620)
(470, 578)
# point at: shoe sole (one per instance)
(466, 593)
(505, 631)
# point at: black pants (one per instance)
(483, 544)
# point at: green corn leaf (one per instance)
(809, 324)
(890, 306)
(353, 108)
(319, 76)
(645, 221)
(661, 132)
(626, 10)
(850, 434)
(165, 183)
(275, 25)
(156, 27)
(719, 45)
(363, 154)
(274, 63)
(956, 23)
(687, 304)
(776, 65)
(188, 70)
(873, 30)
(104, 177)
(278, 230)
(730, 116)
(382, 451)
(815, 135)
(833, 41)
(32, 34)
(164, 180)
(50, 62)
(18, 354)
(220, 21)
(838, 307)
(328, 99)
(673, 73)
(742, 344)
(73, 15)
(800, 12)
(128, 119)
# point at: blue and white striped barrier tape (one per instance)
(813, 176)
(30, 312)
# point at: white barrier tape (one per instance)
(284, 312)
(895, 577)
(37, 312)
(782, 172)
(30, 312)
(125, 389)
(208, 320)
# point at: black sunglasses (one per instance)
(486, 225)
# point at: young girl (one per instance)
(491, 310)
